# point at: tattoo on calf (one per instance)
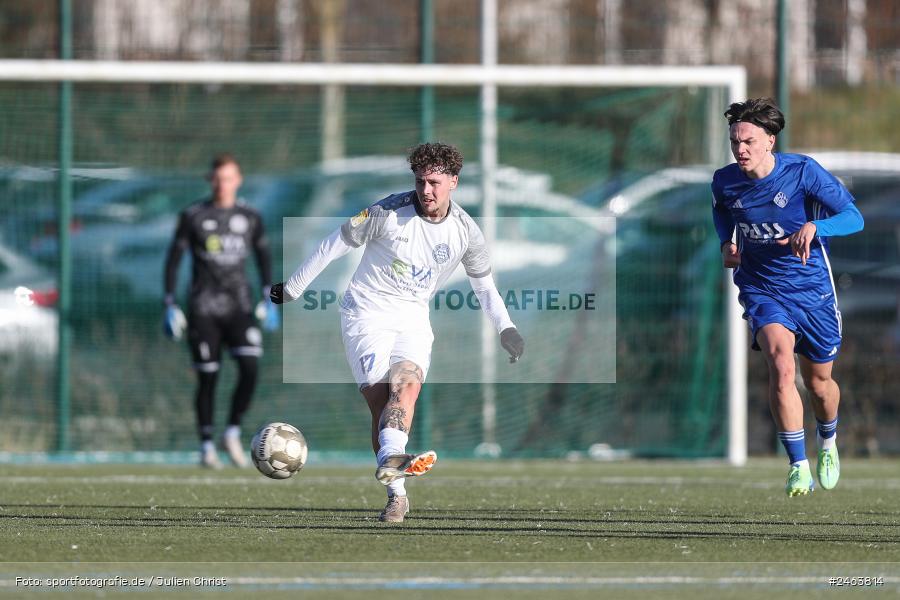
(402, 374)
(393, 418)
(405, 372)
(414, 373)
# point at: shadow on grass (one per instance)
(463, 522)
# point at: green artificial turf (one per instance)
(688, 529)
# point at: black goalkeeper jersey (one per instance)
(219, 240)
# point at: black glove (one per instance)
(276, 294)
(513, 343)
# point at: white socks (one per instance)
(396, 488)
(392, 441)
(826, 443)
(232, 431)
(829, 429)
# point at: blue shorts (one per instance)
(817, 332)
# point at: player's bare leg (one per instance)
(825, 396)
(393, 427)
(376, 397)
(398, 504)
(824, 393)
(777, 344)
(405, 383)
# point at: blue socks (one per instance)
(825, 433)
(794, 444)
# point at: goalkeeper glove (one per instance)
(267, 312)
(513, 343)
(276, 293)
(174, 322)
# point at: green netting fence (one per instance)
(140, 152)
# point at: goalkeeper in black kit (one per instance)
(220, 232)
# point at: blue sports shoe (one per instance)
(828, 468)
(800, 481)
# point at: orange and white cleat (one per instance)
(405, 465)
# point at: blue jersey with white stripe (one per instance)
(798, 190)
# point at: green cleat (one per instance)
(828, 468)
(799, 482)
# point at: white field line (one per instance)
(455, 481)
(525, 580)
(504, 581)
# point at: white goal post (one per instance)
(487, 77)
(731, 77)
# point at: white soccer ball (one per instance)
(278, 450)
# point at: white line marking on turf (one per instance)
(886, 483)
(505, 581)
(520, 581)
(160, 480)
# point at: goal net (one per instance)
(600, 184)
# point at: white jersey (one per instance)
(408, 258)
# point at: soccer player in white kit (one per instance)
(413, 242)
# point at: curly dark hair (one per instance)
(436, 156)
(762, 112)
(221, 159)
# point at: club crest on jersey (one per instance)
(356, 220)
(780, 199)
(238, 224)
(348, 301)
(441, 253)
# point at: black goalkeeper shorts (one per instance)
(206, 336)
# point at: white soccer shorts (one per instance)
(372, 344)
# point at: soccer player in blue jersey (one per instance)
(784, 207)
